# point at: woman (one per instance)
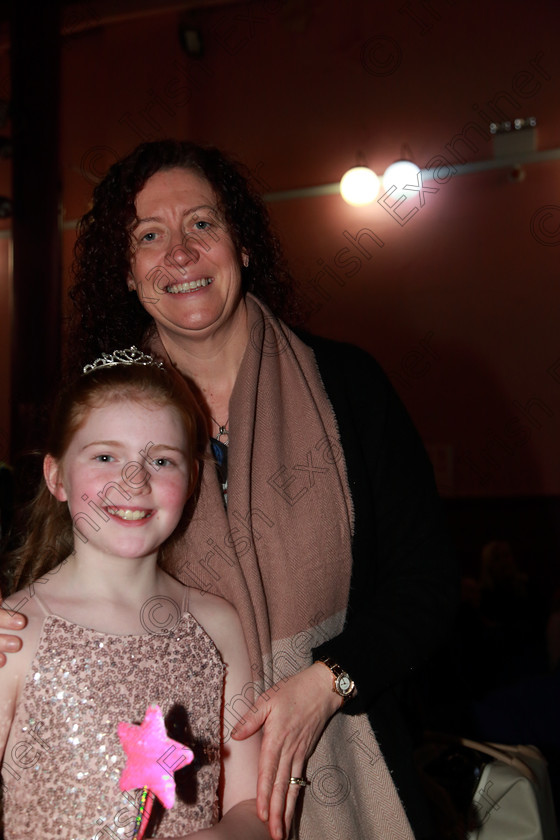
(321, 524)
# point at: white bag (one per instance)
(513, 796)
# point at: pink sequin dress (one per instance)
(61, 777)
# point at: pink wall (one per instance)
(460, 304)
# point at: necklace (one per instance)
(222, 430)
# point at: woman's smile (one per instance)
(189, 286)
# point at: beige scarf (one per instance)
(281, 554)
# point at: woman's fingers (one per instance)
(284, 800)
(276, 797)
(252, 722)
(8, 644)
(9, 620)
(294, 791)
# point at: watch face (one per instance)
(344, 684)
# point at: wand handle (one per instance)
(144, 813)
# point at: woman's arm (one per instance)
(405, 582)
(404, 577)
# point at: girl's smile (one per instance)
(129, 514)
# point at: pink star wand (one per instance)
(151, 759)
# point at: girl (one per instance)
(110, 633)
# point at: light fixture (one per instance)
(359, 186)
(513, 158)
(400, 174)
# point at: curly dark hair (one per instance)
(106, 314)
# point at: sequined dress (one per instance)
(61, 777)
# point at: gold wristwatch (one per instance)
(343, 685)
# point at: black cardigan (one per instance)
(404, 585)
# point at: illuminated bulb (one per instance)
(359, 185)
(400, 174)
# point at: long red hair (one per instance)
(49, 536)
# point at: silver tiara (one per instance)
(130, 356)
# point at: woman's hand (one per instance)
(9, 620)
(293, 715)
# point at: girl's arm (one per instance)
(240, 823)
(240, 758)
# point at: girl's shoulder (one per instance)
(213, 607)
(31, 603)
(26, 602)
(218, 618)
(208, 609)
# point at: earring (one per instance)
(245, 259)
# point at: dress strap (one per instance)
(42, 604)
(185, 604)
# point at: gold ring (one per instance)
(296, 780)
